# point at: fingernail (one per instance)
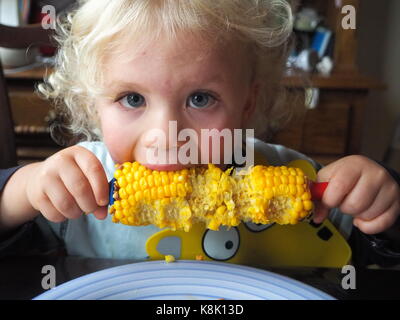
(103, 202)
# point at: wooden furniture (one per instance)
(31, 116)
(14, 37)
(7, 140)
(334, 128)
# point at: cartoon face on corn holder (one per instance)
(304, 244)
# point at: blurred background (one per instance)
(345, 64)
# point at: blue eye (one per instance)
(132, 100)
(200, 100)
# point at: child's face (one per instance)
(197, 85)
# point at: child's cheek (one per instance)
(117, 141)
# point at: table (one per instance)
(20, 277)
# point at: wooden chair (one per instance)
(15, 37)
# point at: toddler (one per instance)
(126, 68)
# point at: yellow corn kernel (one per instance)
(135, 166)
(117, 205)
(154, 194)
(300, 190)
(180, 190)
(127, 165)
(150, 180)
(173, 190)
(124, 203)
(169, 258)
(221, 210)
(129, 177)
(299, 180)
(167, 191)
(164, 179)
(298, 206)
(146, 173)
(147, 194)
(123, 194)
(160, 193)
(306, 196)
(284, 179)
(125, 171)
(118, 214)
(118, 173)
(268, 193)
(143, 183)
(131, 200)
(157, 180)
(129, 189)
(122, 182)
(259, 182)
(270, 182)
(139, 195)
(292, 189)
(308, 205)
(137, 175)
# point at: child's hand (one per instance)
(67, 184)
(361, 188)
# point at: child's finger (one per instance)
(341, 183)
(321, 212)
(62, 200)
(381, 204)
(101, 213)
(361, 197)
(47, 209)
(95, 174)
(79, 187)
(379, 224)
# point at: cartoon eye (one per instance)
(257, 227)
(221, 245)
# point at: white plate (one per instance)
(183, 280)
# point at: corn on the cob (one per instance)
(209, 195)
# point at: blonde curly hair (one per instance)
(91, 31)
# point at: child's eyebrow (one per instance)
(121, 85)
(124, 85)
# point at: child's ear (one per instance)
(251, 103)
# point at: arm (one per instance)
(63, 186)
(15, 208)
(29, 238)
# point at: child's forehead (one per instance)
(184, 46)
(182, 60)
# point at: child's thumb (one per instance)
(321, 212)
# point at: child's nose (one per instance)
(163, 131)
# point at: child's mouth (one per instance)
(166, 167)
